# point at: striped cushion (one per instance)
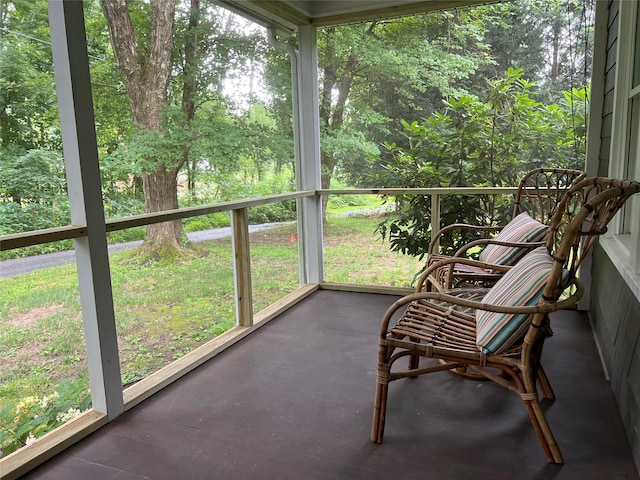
(521, 229)
(520, 286)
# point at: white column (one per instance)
(308, 163)
(71, 63)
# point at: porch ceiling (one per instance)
(289, 14)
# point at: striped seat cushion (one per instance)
(521, 229)
(520, 286)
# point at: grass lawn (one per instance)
(164, 311)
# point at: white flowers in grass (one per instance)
(27, 405)
(33, 416)
(49, 399)
(68, 415)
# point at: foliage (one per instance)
(28, 110)
(372, 76)
(32, 417)
(32, 190)
(488, 141)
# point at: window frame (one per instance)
(622, 243)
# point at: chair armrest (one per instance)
(452, 262)
(459, 226)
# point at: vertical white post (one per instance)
(242, 267)
(308, 165)
(73, 86)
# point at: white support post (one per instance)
(242, 267)
(308, 160)
(73, 86)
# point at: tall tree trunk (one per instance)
(190, 70)
(332, 118)
(555, 49)
(146, 78)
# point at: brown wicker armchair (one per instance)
(499, 332)
(538, 195)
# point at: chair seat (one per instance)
(441, 324)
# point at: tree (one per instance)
(566, 31)
(32, 182)
(339, 62)
(374, 74)
(490, 141)
(28, 108)
(145, 63)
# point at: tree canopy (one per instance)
(436, 99)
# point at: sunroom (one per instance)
(288, 391)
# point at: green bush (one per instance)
(273, 212)
(216, 220)
(480, 142)
(32, 417)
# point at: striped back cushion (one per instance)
(520, 286)
(521, 229)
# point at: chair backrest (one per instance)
(581, 216)
(541, 189)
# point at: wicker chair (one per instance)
(499, 332)
(538, 195)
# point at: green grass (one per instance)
(347, 203)
(166, 310)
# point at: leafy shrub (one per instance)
(216, 220)
(479, 142)
(273, 212)
(32, 417)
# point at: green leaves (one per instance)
(32, 417)
(488, 141)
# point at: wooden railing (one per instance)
(39, 237)
(436, 195)
(240, 227)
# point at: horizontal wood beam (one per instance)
(282, 14)
(380, 289)
(421, 191)
(180, 213)
(268, 14)
(38, 237)
(394, 11)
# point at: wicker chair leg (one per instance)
(414, 362)
(382, 389)
(529, 395)
(543, 431)
(379, 412)
(545, 386)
